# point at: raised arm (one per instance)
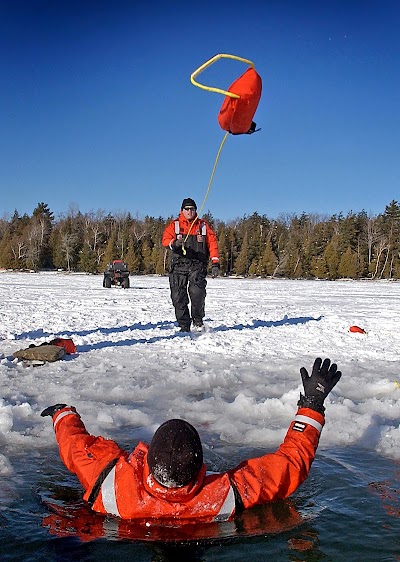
(277, 475)
(83, 454)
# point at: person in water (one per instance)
(168, 480)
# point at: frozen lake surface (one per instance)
(238, 382)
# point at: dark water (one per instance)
(348, 509)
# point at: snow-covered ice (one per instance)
(237, 381)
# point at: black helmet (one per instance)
(175, 454)
(188, 203)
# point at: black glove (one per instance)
(51, 410)
(215, 270)
(323, 378)
(178, 243)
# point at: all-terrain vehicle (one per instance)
(117, 274)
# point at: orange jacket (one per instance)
(64, 520)
(121, 484)
(195, 239)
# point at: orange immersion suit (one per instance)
(188, 271)
(121, 484)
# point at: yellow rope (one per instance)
(210, 62)
(218, 91)
(207, 192)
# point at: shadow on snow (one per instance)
(164, 325)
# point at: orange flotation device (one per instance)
(357, 329)
(241, 98)
(238, 108)
(236, 114)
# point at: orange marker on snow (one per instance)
(357, 329)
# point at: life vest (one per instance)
(201, 243)
(236, 114)
(131, 492)
(195, 243)
(202, 228)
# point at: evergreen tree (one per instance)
(293, 246)
(319, 268)
(242, 261)
(223, 248)
(87, 260)
(268, 261)
(391, 225)
(148, 263)
(253, 269)
(232, 247)
(332, 257)
(110, 253)
(134, 257)
(209, 218)
(293, 264)
(7, 258)
(42, 224)
(158, 259)
(279, 239)
(348, 264)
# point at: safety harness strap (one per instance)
(100, 479)
(238, 499)
(202, 228)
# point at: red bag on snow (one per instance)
(66, 343)
(357, 329)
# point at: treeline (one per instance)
(354, 246)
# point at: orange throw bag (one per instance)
(236, 114)
(67, 344)
(357, 329)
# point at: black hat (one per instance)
(189, 203)
(175, 454)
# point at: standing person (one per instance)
(192, 242)
(167, 480)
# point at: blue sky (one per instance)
(97, 110)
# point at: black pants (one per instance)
(188, 280)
